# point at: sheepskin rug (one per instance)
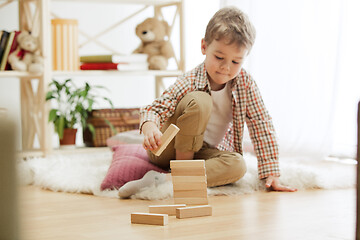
(83, 173)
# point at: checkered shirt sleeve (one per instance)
(262, 133)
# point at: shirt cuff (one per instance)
(148, 116)
(269, 169)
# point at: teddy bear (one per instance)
(26, 57)
(153, 33)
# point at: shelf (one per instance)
(18, 74)
(154, 73)
(142, 2)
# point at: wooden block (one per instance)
(191, 201)
(188, 179)
(195, 211)
(165, 209)
(188, 171)
(166, 138)
(190, 193)
(150, 218)
(189, 186)
(187, 163)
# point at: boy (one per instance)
(210, 105)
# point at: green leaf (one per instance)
(109, 101)
(49, 95)
(90, 102)
(100, 87)
(52, 115)
(58, 85)
(83, 122)
(113, 129)
(92, 130)
(87, 87)
(61, 127)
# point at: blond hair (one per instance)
(233, 25)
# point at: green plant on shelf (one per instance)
(73, 105)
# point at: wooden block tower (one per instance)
(190, 187)
(189, 181)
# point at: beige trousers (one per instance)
(191, 116)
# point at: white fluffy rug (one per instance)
(83, 173)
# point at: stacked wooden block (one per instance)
(190, 187)
(159, 214)
(166, 138)
(189, 181)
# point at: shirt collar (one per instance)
(204, 84)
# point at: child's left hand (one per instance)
(274, 184)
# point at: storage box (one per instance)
(123, 119)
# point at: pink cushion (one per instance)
(130, 162)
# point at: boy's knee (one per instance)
(200, 102)
(236, 164)
(239, 164)
(193, 113)
(224, 169)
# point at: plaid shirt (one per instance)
(247, 106)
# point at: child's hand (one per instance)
(274, 183)
(152, 136)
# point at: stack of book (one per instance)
(132, 62)
(8, 44)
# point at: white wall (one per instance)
(305, 61)
(95, 17)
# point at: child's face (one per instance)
(223, 61)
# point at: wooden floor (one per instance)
(315, 215)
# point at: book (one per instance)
(141, 66)
(6, 51)
(114, 58)
(3, 41)
(13, 47)
(1, 33)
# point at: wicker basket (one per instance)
(123, 119)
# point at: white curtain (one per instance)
(304, 61)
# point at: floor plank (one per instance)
(314, 214)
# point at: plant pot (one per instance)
(69, 137)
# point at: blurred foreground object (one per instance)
(9, 228)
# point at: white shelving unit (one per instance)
(35, 16)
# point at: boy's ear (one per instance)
(203, 46)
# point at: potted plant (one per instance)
(73, 105)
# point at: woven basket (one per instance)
(123, 119)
